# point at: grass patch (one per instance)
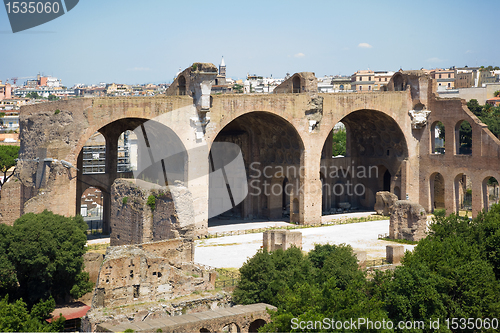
(99, 248)
(401, 241)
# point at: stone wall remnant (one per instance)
(281, 239)
(149, 272)
(384, 202)
(134, 221)
(408, 221)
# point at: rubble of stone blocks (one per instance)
(384, 201)
(281, 239)
(149, 272)
(394, 253)
(408, 221)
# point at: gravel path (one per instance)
(233, 251)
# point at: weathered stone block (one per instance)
(133, 221)
(384, 202)
(394, 253)
(408, 221)
(281, 239)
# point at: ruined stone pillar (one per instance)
(310, 190)
(477, 195)
(111, 171)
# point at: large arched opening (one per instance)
(272, 153)
(436, 185)
(491, 192)
(375, 148)
(129, 148)
(463, 194)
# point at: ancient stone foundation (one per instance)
(408, 221)
(281, 239)
(149, 272)
(384, 202)
(144, 212)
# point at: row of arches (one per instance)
(462, 192)
(462, 137)
(273, 156)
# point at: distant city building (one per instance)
(260, 84)
(368, 80)
(341, 83)
(445, 78)
(5, 91)
(466, 77)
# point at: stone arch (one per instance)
(255, 325)
(437, 191)
(296, 84)
(374, 139)
(181, 85)
(398, 82)
(230, 328)
(156, 138)
(463, 137)
(96, 221)
(437, 145)
(462, 188)
(272, 150)
(397, 192)
(490, 192)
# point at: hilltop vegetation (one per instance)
(453, 273)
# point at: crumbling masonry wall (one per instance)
(143, 212)
(149, 272)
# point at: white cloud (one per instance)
(299, 55)
(365, 45)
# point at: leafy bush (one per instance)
(42, 257)
(151, 202)
(439, 212)
(453, 273)
(124, 200)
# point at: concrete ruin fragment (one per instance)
(149, 272)
(143, 212)
(281, 239)
(408, 221)
(394, 253)
(384, 202)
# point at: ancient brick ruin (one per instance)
(281, 239)
(408, 221)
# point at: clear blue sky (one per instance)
(147, 41)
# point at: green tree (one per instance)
(46, 252)
(339, 142)
(53, 97)
(238, 88)
(265, 274)
(33, 94)
(15, 317)
(8, 155)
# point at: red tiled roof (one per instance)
(70, 312)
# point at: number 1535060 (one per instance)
(32, 7)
